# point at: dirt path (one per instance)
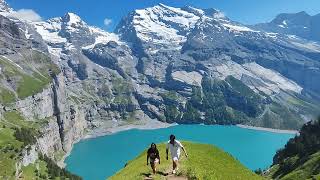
(167, 176)
(173, 177)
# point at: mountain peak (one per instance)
(4, 7)
(300, 17)
(71, 18)
(303, 13)
(158, 26)
(163, 5)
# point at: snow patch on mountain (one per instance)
(50, 31)
(238, 28)
(102, 37)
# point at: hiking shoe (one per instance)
(173, 171)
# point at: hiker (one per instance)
(174, 146)
(154, 156)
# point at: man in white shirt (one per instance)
(175, 146)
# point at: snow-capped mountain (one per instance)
(161, 50)
(162, 64)
(163, 27)
(4, 7)
(300, 24)
(70, 32)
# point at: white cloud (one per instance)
(26, 14)
(107, 21)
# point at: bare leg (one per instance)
(153, 166)
(176, 162)
(174, 166)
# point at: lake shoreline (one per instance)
(159, 125)
(152, 125)
(112, 150)
(111, 130)
(280, 131)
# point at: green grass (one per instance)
(122, 99)
(26, 84)
(6, 96)
(58, 155)
(9, 147)
(38, 170)
(204, 162)
(121, 86)
(171, 95)
(14, 119)
(309, 169)
(29, 85)
(7, 138)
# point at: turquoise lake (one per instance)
(99, 158)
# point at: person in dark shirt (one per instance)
(154, 156)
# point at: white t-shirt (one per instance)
(174, 148)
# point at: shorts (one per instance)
(154, 161)
(175, 158)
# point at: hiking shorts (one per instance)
(154, 161)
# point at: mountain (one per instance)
(299, 24)
(63, 79)
(161, 27)
(215, 47)
(301, 156)
(197, 166)
(4, 7)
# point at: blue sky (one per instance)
(94, 12)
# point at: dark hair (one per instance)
(154, 145)
(172, 137)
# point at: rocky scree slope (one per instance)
(62, 78)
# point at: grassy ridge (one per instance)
(31, 76)
(307, 170)
(300, 158)
(204, 162)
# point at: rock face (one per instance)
(184, 65)
(38, 106)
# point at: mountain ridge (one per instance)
(196, 166)
(301, 24)
(69, 78)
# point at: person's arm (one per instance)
(158, 156)
(148, 154)
(184, 150)
(167, 151)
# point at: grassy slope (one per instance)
(204, 162)
(32, 78)
(308, 170)
(10, 147)
(300, 158)
(37, 65)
